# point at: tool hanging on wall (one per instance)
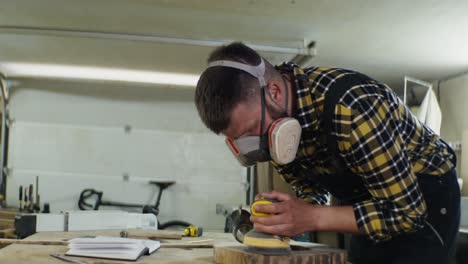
(28, 201)
(20, 198)
(31, 198)
(37, 205)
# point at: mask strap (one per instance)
(256, 71)
(287, 96)
(259, 73)
(262, 99)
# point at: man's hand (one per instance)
(292, 216)
(289, 217)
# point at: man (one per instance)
(339, 132)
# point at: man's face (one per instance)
(245, 120)
(246, 117)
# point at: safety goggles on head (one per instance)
(279, 143)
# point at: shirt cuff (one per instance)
(377, 220)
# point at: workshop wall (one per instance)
(453, 94)
(115, 138)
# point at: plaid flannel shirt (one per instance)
(379, 139)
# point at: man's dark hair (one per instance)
(220, 89)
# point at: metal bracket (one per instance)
(413, 80)
(302, 59)
(4, 139)
(55, 31)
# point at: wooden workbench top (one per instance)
(32, 253)
(41, 253)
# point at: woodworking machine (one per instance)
(257, 242)
(28, 224)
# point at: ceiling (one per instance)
(387, 40)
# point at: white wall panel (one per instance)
(453, 94)
(72, 135)
(66, 148)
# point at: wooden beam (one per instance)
(151, 234)
(8, 214)
(6, 241)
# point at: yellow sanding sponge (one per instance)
(257, 202)
(262, 240)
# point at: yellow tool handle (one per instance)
(257, 202)
(193, 231)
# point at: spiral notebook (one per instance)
(111, 247)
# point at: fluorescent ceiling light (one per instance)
(96, 73)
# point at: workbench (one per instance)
(41, 253)
(228, 250)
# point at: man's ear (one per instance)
(275, 90)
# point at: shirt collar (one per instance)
(307, 112)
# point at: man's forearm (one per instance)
(292, 216)
(334, 218)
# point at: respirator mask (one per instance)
(281, 140)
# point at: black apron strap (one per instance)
(332, 97)
(343, 184)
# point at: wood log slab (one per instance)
(233, 254)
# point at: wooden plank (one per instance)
(153, 234)
(27, 254)
(6, 241)
(7, 223)
(234, 254)
(186, 245)
(166, 255)
(8, 214)
(7, 233)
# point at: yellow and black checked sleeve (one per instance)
(304, 189)
(374, 148)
